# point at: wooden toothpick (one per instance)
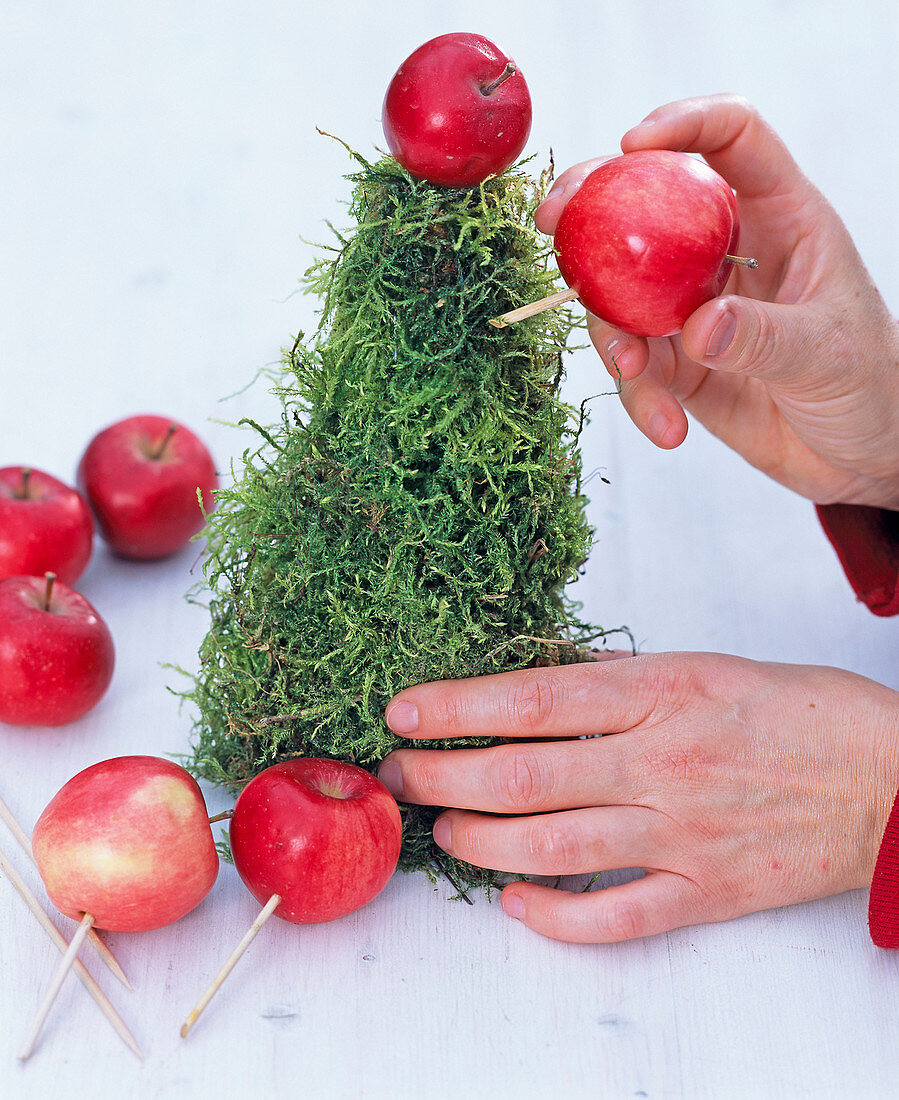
(93, 937)
(533, 308)
(270, 906)
(569, 295)
(59, 977)
(80, 970)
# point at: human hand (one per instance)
(797, 366)
(736, 786)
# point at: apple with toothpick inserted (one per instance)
(127, 841)
(313, 840)
(322, 834)
(56, 653)
(646, 239)
(457, 111)
(45, 526)
(144, 477)
(125, 845)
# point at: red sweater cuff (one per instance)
(883, 903)
(867, 543)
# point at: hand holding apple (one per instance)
(457, 111)
(127, 841)
(142, 476)
(45, 526)
(56, 653)
(788, 367)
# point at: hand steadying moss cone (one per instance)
(417, 511)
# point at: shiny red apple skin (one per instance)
(127, 840)
(145, 501)
(323, 834)
(55, 663)
(437, 120)
(643, 241)
(45, 525)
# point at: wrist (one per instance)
(884, 790)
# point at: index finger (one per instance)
(564, 701)
(732, 136)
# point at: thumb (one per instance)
(547, 214)
(763, 339)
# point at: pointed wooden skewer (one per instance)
(562, 296)
(83, 974)
(59, 977)
(270, 906)
(93, 936)
(533, 308)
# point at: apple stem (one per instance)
(26, 483)
(501, 79)
(270, 906)
(223, 816)
(48, 590)
(743, 261)
(160, 450)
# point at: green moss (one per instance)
(416, 512)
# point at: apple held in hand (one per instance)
(457, 111)
(141, 476)
(645, 240)
(45, 526)
(56, 653)
(321, 834)
(127, 840)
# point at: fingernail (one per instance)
(658, 427)
(617, 356)
(443, 833)
(646, 124)
(513, 905)
(722, 335)
(560, 191)
(391, 775)
(402, 717)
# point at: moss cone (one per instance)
(416, 513)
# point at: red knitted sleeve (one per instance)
(867, 543)
(883, 902)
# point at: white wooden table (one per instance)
(159, 168)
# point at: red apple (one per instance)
(45, 525)
(643, 241)
(142, 476)
(457, 111)
(56, 653)
(127, 840)
(322, 834)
